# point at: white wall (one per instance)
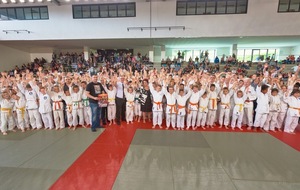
(262, 19)
(9, 57)
(223, 50)
(296, 51)
(284, 52)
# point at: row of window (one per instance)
(104, 10)
(184, 7)
(289, 6)
(202, 7)
(24, 13)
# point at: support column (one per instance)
(234, 49)
(151, 54)
(86, 53)
(163, 52)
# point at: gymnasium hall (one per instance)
(150, 94)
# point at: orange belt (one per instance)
(193, 104)
(57, 105)
(179, 107)
(214, 101)
(295, 109)
(173, 108)
(158, 104)
(131, 103)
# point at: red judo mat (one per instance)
(99, 165)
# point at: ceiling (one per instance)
(186, 43)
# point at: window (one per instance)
(24, 13)
(256, 54)
(191, 8)
(201, 7)
(112, 10)
(181, 8)
(121, 10)
(289, 6)
(104, 10)
(221, 7)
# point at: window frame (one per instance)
(24, 17)
(204, 2)
(288, 9)
(106, 5)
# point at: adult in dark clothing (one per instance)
(104, 108)
(145, 100)
(93, 89)
(120, 101)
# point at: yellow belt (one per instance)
(203, 108)
(7, 110)
(22, 111)
(225, 104)
(69, 108)
(241, 107)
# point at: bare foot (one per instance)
(4, 133)
(226, 127)
(220, 127)
(203, 127)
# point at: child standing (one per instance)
(20, 108)
(272, 119)
(130, 94)
(6, 112)
(57, 106)
(181, 101)
(293, 112)
(87, 112)
(212, 105)
(69, 104)
(157, 107)
(202, 112)
(262, 108)
(193, 106)
(238, 110)
(225, 96)
(111, 107)
(77, 108)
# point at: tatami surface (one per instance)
(36, 159)
(184, 160)
(136, 157)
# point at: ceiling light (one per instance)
(13, 1)
(4, 1)
(31, 1)
(22, 1)
(68, 0)
(40, 0)
(49, 0)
